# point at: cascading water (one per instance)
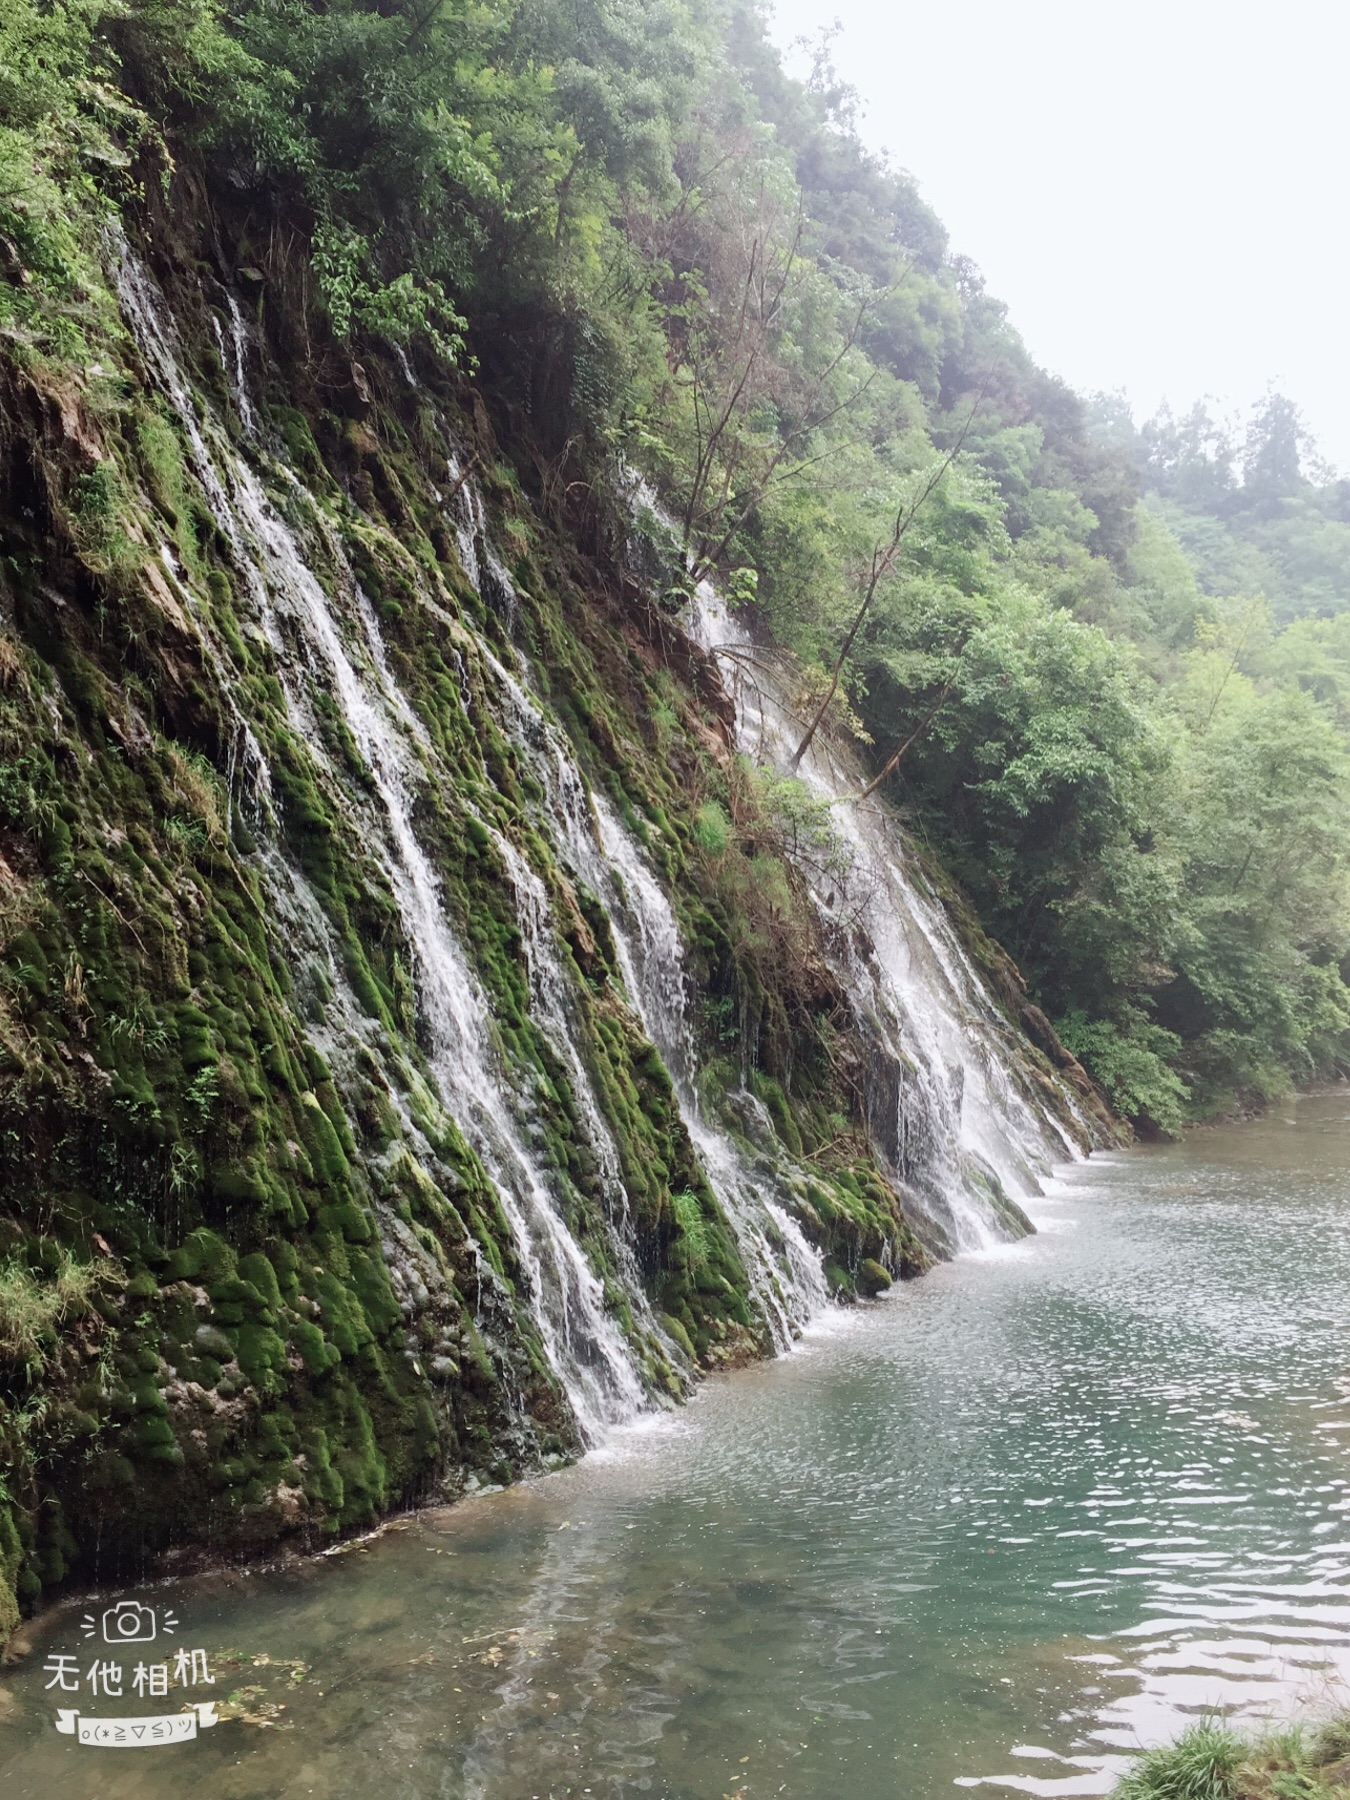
(585, 1347)
(784, 1269)
(950, 1119)
(960, 1131)
(551, 1010)
(477, 554)
(233, 359)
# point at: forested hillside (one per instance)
(1254, 506)
(660, 252)
(342, 349)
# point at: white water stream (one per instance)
(585, 1346)
(784, 1269)
(950, 1111)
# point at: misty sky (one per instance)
(1159, 190)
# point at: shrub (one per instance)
(712, 829)
(1201, 1765)
(31, 1308)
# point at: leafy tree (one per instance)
(1273, 454)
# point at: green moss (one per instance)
(204, 1256)
(11, 1560)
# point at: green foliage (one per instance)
(1132, 1058)
(1211, 1761)
(659, 253)
(1256, 509)
(364, 165)
(711, 828)
(400, 310)
(33, 1304)
(660, 247)
(693, 1227)
(1201, 1765)
(1331, 1740)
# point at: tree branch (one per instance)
(883, 561)
(894, 762)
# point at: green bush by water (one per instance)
(1211, 1761)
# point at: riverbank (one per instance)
(1043, 1508)
(1212, 1762)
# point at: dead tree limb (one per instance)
(883, 561)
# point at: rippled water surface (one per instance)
(1016, 1520)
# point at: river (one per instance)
(1021, 1517)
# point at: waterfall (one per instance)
(551, 1008)
(952, 1114)
(962, 1132)
(233, 360)
(584, 1345)
(784, 1269)
(477, 553)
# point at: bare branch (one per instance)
(894, 762)
(711, 554)
(883, 561)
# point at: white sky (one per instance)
(1160, 191)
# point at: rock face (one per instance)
(400, 1082)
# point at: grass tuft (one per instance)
(1213, 1762)
(31, 1307)
(1201, 1765)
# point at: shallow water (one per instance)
(1021, 1517)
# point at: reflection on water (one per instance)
(1015, 1521)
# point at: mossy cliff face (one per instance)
(257, 1283)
